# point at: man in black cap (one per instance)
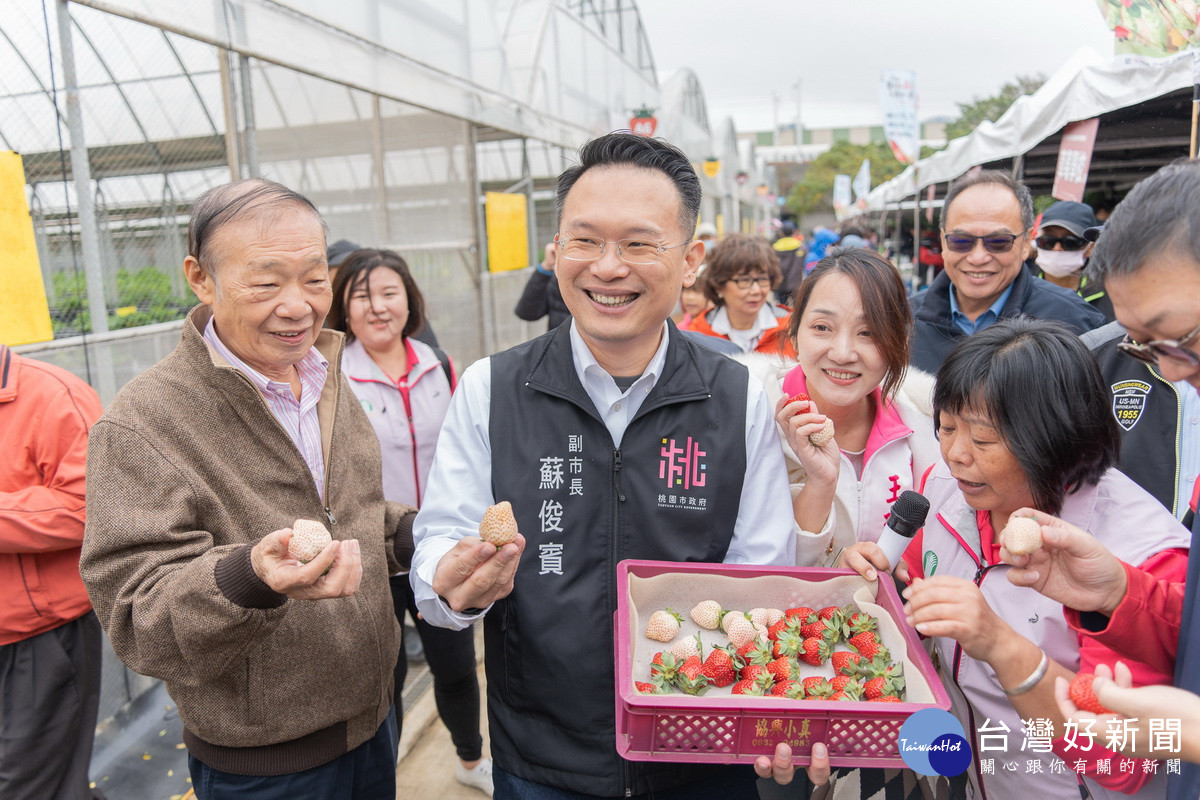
(1062, 252)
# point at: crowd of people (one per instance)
(999, 390)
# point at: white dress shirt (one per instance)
(459, 487)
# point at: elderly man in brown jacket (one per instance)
(281, 670)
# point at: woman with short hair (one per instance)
(738, 279)
(1023, 423)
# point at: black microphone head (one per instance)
(912, 507)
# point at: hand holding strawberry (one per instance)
(475, 573)
(805, 430)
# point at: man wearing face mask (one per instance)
(1062, 252)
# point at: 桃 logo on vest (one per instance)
(1129, 401)
(682, 468)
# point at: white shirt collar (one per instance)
(763, 321)
(615, 407)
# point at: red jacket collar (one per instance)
(8, 374)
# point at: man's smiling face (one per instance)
(619, 308)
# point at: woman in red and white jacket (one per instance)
(404, 387)
(850, 330)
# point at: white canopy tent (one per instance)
(1086, 86)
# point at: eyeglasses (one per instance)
(993, 242)
(746, 281)
(1174, 349)
(634, 252)
(1047, 242)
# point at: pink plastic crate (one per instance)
(731, 729)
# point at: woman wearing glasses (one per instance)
(1062, 252)
(738, 281)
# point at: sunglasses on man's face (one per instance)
(1047, 242)
(993, 242)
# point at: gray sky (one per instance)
(961, 49)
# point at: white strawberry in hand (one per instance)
(498, 526)
(1022, 535)
(309, 538)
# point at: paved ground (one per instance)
(428, 768)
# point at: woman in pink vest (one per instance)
(1023, 423)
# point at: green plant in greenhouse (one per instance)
(147, 289)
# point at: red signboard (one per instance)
(1074, 159)
(643, 125)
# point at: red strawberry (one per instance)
(876, 688)
(803, 612)
(752, 671)
(719, 668)
(774, 631)
(856, 622)
(653, 687)
(783, 689)
(812, 626)
(664, 666)
(690, 679)
(781, 668)
(887, 698)
(867, 643)
(745, 687)
(1084, 696)
(829, 612)
(815, 651)
(815, 686)
(799, 397)
(844, 661)
(839, 682)
(789, 644)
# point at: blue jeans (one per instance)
(736, 783)
(368, 772)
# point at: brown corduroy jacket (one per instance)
(187, 469)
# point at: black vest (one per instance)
(670, 492)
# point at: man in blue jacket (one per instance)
(986, 221)
(577, 429)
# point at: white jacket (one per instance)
(407, 417)
(901, 448)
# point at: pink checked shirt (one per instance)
(298, 417)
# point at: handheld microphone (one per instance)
(907, 517)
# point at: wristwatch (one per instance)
(469, 612)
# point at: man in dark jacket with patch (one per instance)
(986, 221)
(614, 437)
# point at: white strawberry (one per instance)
(498, 526)
(1022, 535)
(823, 436)
(686, 648)
(773, 616)
(707, 614)
(309, 538)
(740, 630)
(730, 617)
(758, 616)
(663, 626)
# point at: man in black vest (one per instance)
(614, 437)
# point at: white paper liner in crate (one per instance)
(681, 592)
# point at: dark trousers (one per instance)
(368, 772)
(49, 698)
(451, 658)
(738, 782)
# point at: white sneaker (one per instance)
(480, 777)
